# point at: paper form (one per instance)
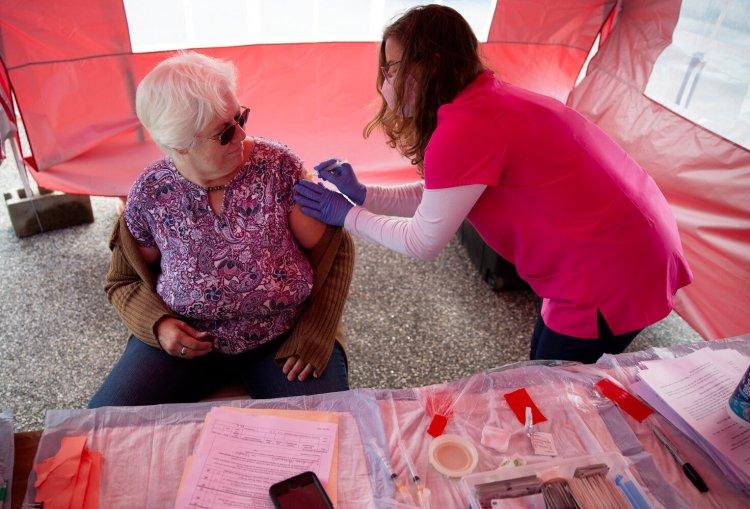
(331, 483)
(240, 455)
(697, 387)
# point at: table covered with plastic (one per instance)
(384, 432)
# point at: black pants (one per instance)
(548, 344)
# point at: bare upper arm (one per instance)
(307, 230)
(150, 255)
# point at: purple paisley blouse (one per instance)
(239, 275)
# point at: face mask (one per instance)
(389, 94)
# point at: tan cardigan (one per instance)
(131, 289)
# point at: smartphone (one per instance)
(301, 491)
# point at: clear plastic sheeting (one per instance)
(624, 368)
(384, 431)
(145, 448)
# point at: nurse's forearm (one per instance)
(424, 236)
(401, 201)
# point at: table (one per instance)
(147, 446)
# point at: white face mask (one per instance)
(409, 103)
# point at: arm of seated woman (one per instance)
(306, 230)
(150, 255)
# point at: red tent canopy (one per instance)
(73, 71)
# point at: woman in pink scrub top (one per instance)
(586, 227)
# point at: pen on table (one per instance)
(687, 468)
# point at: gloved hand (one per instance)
(321, 203)
(342, 176)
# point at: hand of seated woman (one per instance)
(179, 339)
(296, 369)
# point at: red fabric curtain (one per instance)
(74, 77)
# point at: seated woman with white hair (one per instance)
(215, 271)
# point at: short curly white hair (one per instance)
(181, 96)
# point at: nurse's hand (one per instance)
(340, 174)
(321, 203)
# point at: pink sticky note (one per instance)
(82, 479)
(70, 478)
(70, 447)
(57, 478)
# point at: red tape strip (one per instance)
(518, 401)
(437, 425)
(629, 404)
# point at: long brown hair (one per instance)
(441, 53)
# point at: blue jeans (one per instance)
(548, 344)
(147, 376)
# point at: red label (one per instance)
(437, 425)
(518, 401)
(629, 404)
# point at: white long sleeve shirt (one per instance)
(410, 219)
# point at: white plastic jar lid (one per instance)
(453, 456)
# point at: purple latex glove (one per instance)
(340, 174)
(321, 203)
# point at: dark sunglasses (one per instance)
(227, 134)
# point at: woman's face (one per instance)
(208, 159)
(393, 52)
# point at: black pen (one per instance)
(686, 467)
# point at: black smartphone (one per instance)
(303, 491)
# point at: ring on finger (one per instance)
(183, 350)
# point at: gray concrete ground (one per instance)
(409, 323)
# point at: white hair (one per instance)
(182, 95)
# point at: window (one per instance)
(704, 75)
(182, 24)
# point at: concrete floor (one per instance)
(409, 323)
